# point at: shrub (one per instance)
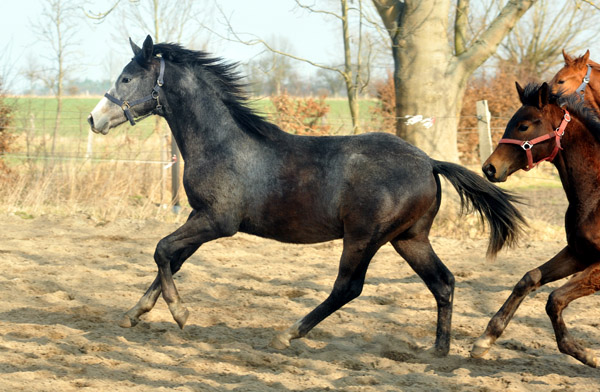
(301, 116)
(6, 136)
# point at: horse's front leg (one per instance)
(171, 252)
(148, 300)
(560, 266)
(584, 283)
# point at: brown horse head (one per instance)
(571, 76)
(529, 137)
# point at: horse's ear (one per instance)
(136, 49)
(586, 56)
(568, 59)
(543, 95)
(147, 48)
(521, 93)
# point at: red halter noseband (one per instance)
(527, 145)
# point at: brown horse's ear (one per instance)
(521, 93)
(586, 57)
(568, 59)
(543, 95)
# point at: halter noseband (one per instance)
(527, 145)
(586, 79)
(126, 105)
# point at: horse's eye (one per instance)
(560, 82)
(523, 127)
(125, 80)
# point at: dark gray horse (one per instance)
(245, 174)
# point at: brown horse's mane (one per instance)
(576, 107)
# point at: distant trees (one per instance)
(57, 29)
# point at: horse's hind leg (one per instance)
(560, 266)
(148, 300)
(348, 285)
(584, 283)
(419, 254)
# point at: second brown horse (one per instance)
(564, 130)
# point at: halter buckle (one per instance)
(125, 106)
(526, 145)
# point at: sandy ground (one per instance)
(66, 282)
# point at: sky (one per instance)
(310, 35)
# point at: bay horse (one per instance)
(564, 130)
(581, 76)
(244, 174)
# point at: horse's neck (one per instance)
(578, 164)
(201, 128)
(592, 93)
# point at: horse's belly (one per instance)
(294, 229)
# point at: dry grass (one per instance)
(107, 189)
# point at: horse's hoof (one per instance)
(280, 342)
(128, 322)
(441, 352)
(590, 359)
(181, 315)
(481, 347)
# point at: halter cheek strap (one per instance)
(126, 105)
(586, 79)
(527, 145)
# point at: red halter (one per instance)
(528, 144)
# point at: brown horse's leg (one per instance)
(148, 300)
(420, 256)
(348, 285)
(584, 283)
(560, 266)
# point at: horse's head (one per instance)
(529, 135)
(135, 92)
(570, 77)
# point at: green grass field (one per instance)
(41, 112)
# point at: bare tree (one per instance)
(431, 67)
(270, 73)
(57, 28)
(354, 65)
(536, 42)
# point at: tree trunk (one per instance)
(429, 77)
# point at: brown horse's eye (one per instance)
(560, 82)
(523, 127)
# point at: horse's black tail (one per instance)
(491, 202)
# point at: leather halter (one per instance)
(527, 145)
(586, 79)
(126, 105)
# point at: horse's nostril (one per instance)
(489, 170)
(90, 120)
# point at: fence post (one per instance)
(485, 135)
(176, 157)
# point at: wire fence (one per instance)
(143, 154)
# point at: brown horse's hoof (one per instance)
(128, 322)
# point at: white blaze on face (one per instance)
(105, 111)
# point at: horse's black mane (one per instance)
(232, 90)
(577, 107)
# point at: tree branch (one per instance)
(461, 24)
(488, 42)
